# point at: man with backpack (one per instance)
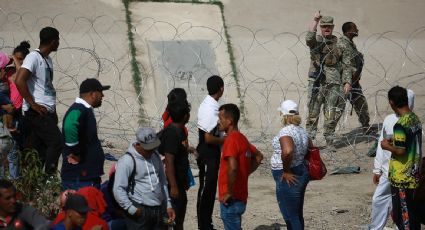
(140, 186)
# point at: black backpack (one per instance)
(131, 179)
(130, 187)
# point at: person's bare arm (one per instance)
(287, 146)
(386, 145)
(232, 172)
(21, 83)
(213, 140)
(315, 22)
(256, 161)
(170, 172)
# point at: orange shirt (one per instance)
(236, 145)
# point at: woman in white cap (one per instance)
(288, 165)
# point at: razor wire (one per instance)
(271, 67)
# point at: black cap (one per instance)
(77, 203)
(92, 84)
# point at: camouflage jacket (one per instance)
(326, 59)
(352, 59)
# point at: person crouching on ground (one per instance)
(288, 165)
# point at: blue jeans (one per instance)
(13, 156)
(13, 159)
(231, 214)
(291, 198)
(77, 184)
(117, 224)
(5, 145)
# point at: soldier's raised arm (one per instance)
(311, 34)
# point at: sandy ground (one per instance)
(271, 58)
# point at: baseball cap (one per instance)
(92, 84)
(4, 60)
(288, 107)
(77, 203)
(147, 138)
(327, 21)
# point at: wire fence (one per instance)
(271, 67)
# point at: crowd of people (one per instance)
(334, 78)
(147, 187)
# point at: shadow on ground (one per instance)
(356, 136)
(275, 226)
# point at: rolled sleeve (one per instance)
(310, 39)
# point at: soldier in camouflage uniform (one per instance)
(326, 84)
(354, 65)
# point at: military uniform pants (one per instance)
(359, 103)
(332, 97)
(315, 102)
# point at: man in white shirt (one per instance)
(381, 201)
(209, 151)
(34, 81)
